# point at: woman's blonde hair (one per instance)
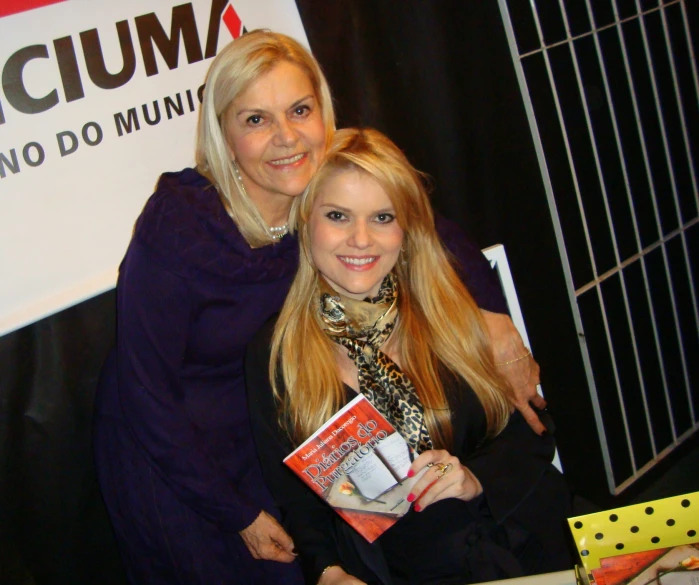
(439, 327)
(233, 70)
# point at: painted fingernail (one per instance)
(411, 497)
(417, 507)
(410, 474)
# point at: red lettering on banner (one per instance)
(8, 7)
(233, 22)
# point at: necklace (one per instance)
(278, 232)
(275, 232)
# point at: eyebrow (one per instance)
(261, 111)
(348, 210)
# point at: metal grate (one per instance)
(612, 96)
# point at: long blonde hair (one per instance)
(439, 325)
(238, 65)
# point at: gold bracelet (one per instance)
(519, 359)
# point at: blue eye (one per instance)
(385, 217)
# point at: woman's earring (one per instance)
(236, 171)
(402, 258)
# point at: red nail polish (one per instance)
(410, 474)
(411, 497)
(417, 507)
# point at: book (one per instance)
(677, 565)
(358, 463)
(652, 543)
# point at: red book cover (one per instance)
(358, 463)
(677, 565)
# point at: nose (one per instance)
(360, 236)
(286, 133)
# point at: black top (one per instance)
(516, 527)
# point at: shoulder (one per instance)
(177, 207)
(185, 229)
(183, 223)
(456, 240)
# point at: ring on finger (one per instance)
(443, 468)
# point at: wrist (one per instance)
(329, 574)
(476, 489)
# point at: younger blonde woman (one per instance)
(377, 308)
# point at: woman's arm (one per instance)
(505, 469)
(155, 314)
(516, 363)
(472, 267)
(522, 487)
(510, 466)
(308, 519)
(483, 284)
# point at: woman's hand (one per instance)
(516, 364)
(266, 539)
(445, 478)
(336, 575)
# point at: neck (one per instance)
(274, 209)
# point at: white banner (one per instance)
(98, 99)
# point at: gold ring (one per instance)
(444, 468)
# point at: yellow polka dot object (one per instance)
(631, 529)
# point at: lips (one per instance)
(288, 160)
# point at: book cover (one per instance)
(677, 565)
(648, 543)
(358, 463)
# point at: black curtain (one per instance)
(438, 78)
(53, 527)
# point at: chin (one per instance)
(294, 190)
(362, 292)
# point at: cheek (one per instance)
(244, 148)
(396, 241)
(317, 140)
(321, 238)
(315, 240)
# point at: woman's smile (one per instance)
(290, 160)
(358, 262)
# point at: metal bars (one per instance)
(612, 95)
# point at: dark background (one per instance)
(438, 78)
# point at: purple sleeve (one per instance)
(473, 268)
(154, 315)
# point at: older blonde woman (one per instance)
(209, 262)
(212, 257)
(376, 308)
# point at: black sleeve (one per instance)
(511, 465)
(308, 519)
(520, 484)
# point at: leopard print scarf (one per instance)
(362, 327)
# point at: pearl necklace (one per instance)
(276, 232)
